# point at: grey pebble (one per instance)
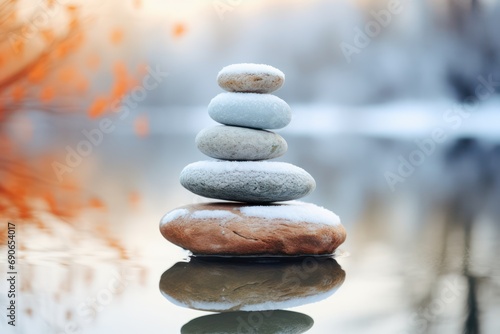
(247, 181)
(237, 143)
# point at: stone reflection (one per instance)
(269, 322)
(223, 286)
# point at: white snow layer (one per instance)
(248, 68)
(212, 214)
(295, 211)
(268, 167)
(173, 215)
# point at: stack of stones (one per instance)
(253, 224)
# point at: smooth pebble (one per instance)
(250, 78)
(261, 111)
(247, 181)
(237, 143)
(240, 229)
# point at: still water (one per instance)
(419, 259)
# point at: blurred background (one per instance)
(396, 116)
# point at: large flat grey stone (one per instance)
(247, 181)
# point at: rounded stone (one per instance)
(250, 78)
(222, 286)
(274, 321)
(238, 229)
(261, 111)
(236, 143)
(247, 181)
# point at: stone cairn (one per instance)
(253, 224)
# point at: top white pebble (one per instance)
(250, 78)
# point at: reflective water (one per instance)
(420, 259)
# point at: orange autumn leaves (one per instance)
(46, 64)
(123, 81)
(98, 107)
(52, 67)
(179, 30)
(25, 191)
(28, 196)
(50, 64)
(31, 52)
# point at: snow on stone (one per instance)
(248, 68)
(212, 214)
(268, 167)
(173, 215)
(294, 212)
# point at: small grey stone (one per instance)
(261, 111)
(236, 143)
(247, 181)
(250, 78)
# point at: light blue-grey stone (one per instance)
(261, 111)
